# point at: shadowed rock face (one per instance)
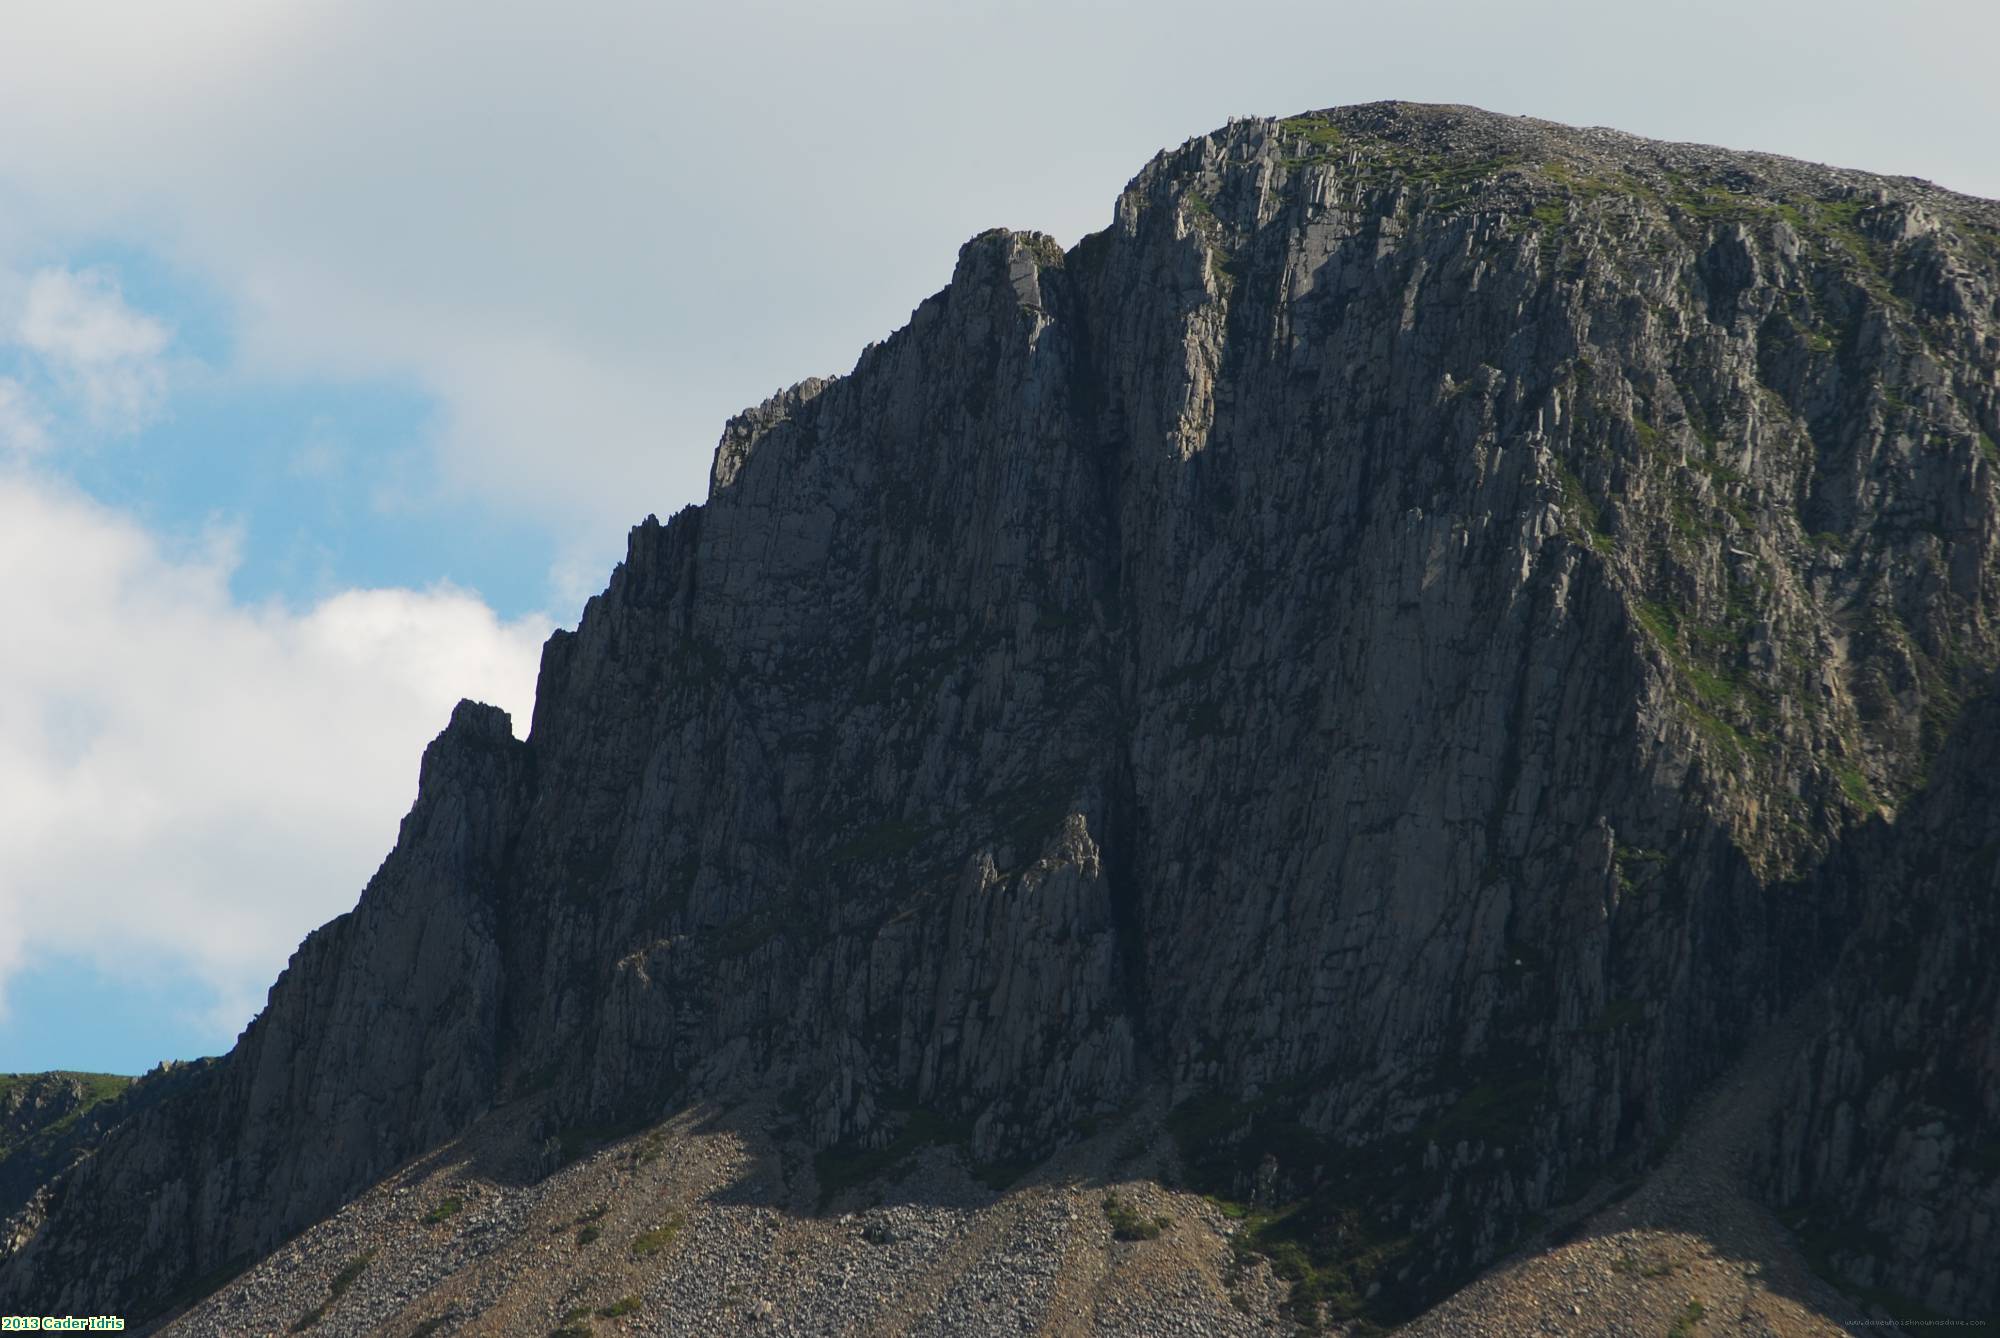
(1384, 641)
(46, 1121)
(378, 1040)
(1888, 1147)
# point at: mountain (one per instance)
(44, 1119)
(1402, 652)
(1887, 1152)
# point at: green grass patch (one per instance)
(1839, 225)
(1855, 786)
(96, 1087)
(1318, 132)
(649, 1243)
(1682, 516)
(1711, 204)
(94, 1090)
(1629, 1264)
(1685, 1322)
(1714, 691)
(1046, 250)
(349, 1273)
(1324, 1286)
(446, 1209)
(1636, 866)
(1660, 622)
(1725, 737)
(1714, 688)
(589, 1235)
(1588, 187)
(1127, 1223)
(618, 1309)
(1589, 520)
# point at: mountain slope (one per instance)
(45, 1120)
(1888, 1147)
(1384, 646)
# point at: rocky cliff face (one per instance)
(32, 1104)
(1888, 1148)
(46, 1119)
(1384, 643)
(378, 1040)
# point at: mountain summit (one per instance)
(1401, 654)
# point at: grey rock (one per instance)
(1389, 642)
(1888, 1148)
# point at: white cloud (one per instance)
(193, 784)
(23, 428)
(95, 346)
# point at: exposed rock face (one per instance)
(378, 1040)
(1890, 1143)
(46, 1119)
(1381, 641)
(33, 1103)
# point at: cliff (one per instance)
(1887, 1150)
(1391, 645)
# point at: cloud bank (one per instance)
(99, 351)
(188, 781)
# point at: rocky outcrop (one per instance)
(34, 1103)
(1378, 643)
(1888, 1149)
(378, 1041)
(46, 1119)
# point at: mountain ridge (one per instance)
(1382, 642)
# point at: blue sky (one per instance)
(327, 483)
(340, 343)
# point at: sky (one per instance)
(341, 343)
